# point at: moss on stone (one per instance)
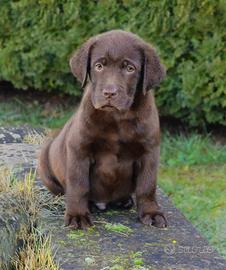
(117, 227)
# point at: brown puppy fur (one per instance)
(109, 149)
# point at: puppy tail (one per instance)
(44, 171)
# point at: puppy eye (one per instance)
(99, 67)
(130, 68)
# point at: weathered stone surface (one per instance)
(18, 155)
(21, 158)
(13, 222)
(179, 246)
(17, 134)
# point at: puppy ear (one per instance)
(153, 71)
(80, 61)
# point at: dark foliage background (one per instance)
(37, 38)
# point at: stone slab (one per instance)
(14, 220)
(18, 155)
(17, 134)
(180, 246)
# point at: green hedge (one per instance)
(37, 38)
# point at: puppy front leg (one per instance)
(77, 190)
(148, 210)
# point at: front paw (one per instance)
(78, 221)
(155, 218)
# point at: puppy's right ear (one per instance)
(80, 61)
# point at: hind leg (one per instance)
(44, 172)
(52, 185)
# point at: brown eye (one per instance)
(99, 67)
(130, 68)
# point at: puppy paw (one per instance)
(156, 219)
(78, 221)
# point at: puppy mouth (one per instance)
(108, 107)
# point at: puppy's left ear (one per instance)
(80, 61)
(153, 71)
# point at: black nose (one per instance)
(110, 91)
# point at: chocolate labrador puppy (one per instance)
(109, 149)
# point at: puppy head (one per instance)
(118, 64)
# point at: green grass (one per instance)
(193, 149)
(117, 227)
(19, 112)
(193, 174)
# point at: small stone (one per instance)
(89, 261)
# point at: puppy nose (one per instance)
(110, 91)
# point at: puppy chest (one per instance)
(121, 149)
(130, 150)
(111, 178)
(111, 168)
